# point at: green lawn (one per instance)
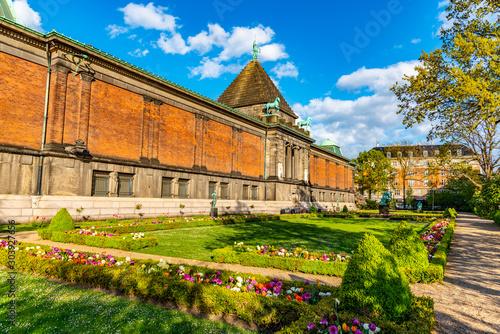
(48, 307)
(315, 234)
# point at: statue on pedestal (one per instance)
(383, 208)
(214, 201)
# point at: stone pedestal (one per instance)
(270, 119)
(383, 209)
(213, 212)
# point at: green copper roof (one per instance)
(7, 10)
(327, 142)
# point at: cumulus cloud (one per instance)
(115, 30)
(416, 40)
(139, 53)
(148, 17)
(27, 16)
(356, 124)
(173, 44)
(213, 69)
(285, 70)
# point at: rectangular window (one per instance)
(411, 183)
(426, 172)
(166, 187)
(211, 188)
(183, 188)
(388, 154)
(443, 173)
(459, 152)
(125, 185)
(426, 154)
(245, 191)
(418, 183)
(419, 192)
(396, 182)
(394, 164)
(443, 182)
(411, 173)
(224, 193)
(424, 163)
(100, 183)
(254, 192)
(397, 192)
(427, 182)
(410, 154)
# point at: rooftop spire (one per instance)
(7, 10)
(256, 50)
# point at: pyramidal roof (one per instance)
(253, 86)
(7, 10)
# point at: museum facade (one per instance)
(84, 129)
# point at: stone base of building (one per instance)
(25, 208)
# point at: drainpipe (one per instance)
(45, 112)
(265, 165)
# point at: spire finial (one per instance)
(256, 50)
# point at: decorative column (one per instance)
(146, 124)
(84, 107)
(57, 106)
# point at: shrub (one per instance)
(409, 250)
(450, 213)
(62, 221)
(375, 284)
(345, 209)
(312, 209)
(371, 205)
(496, 217)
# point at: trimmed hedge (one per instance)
(375, 284)
(409, 250)
(62, 221)
(496, 217)
(450, 213)
(268, 314)
(228, 255)
(420, 321)
(168, 225)
(95, 241)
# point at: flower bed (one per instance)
(270, 257)
(438, 239)
(268, 303)
(100, 239)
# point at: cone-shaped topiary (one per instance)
(345, 209)
(409, 250)
(62, 221)
(374, 284)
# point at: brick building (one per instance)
(81, 128)
(414, 161)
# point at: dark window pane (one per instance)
(100, 181)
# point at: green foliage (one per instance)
(62, 221)
(409, 250)
(312, 209)
(228, 255)
(345, 209)
(496, 217)
(127, 244)
(450, 213)
(372, 171)
(487, 201)
(371, 205)
(374, 283)
(44, 233)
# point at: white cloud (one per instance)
(285, 70)
(416, 40)
(204, 41)
(139, 53)
(132, 36)
(27, 16)
(443, 3)
(148, 17)
(173, 44)
(356, 124)
(272, 52)
(398, 46)
(240, 42)
(213, 69)
(115, 30)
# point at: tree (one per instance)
(373, 172)
(457, 87)
(402, 153)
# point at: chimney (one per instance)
(432, 142)
(378, 144)
(418, 143)
(383, 145)
(398, 143)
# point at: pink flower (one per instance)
(310, 326)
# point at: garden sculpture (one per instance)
(256, 50)
(214, 202)
(273, 105)
(114, 183)
(386, 198)
(419, 206)
(306, 124)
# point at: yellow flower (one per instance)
(345, 327)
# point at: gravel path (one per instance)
(467, 301)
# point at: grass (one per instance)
(48, 307)
(315, 234)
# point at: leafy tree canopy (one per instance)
(373, 171)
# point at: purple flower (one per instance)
(333, 330)
(372, 327)
(218, 273)
(306, 295)
(231, 279)
(358, 332)
(307, 281)
(355, 322)
(323, 322)
(310, 326)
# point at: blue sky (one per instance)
(333, 60)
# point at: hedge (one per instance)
(95, 241)
(496, 217)
(228, 255)
(268, 314)
(168, 225)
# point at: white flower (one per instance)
(201, 274)
(321, 294)
(328, 294)
(37, 247)
(103, 262)
(181, 268)
(258, 247)
(73, 250)
(365, 326)
(27, 248)
(17, 248)
(289, 292)
(239, 279)
(238, 285)
(161, 260)
(143, 266)
(377, 330)
(127, 258)
(337, 301)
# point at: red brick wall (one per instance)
(349, 179)
(115, 122)
(321, 172)
(217, 147)
(177, 140)
(72, 110)
(332, 174)
(312, 170)
(251, 155)
(341, 176)
(22, 98)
